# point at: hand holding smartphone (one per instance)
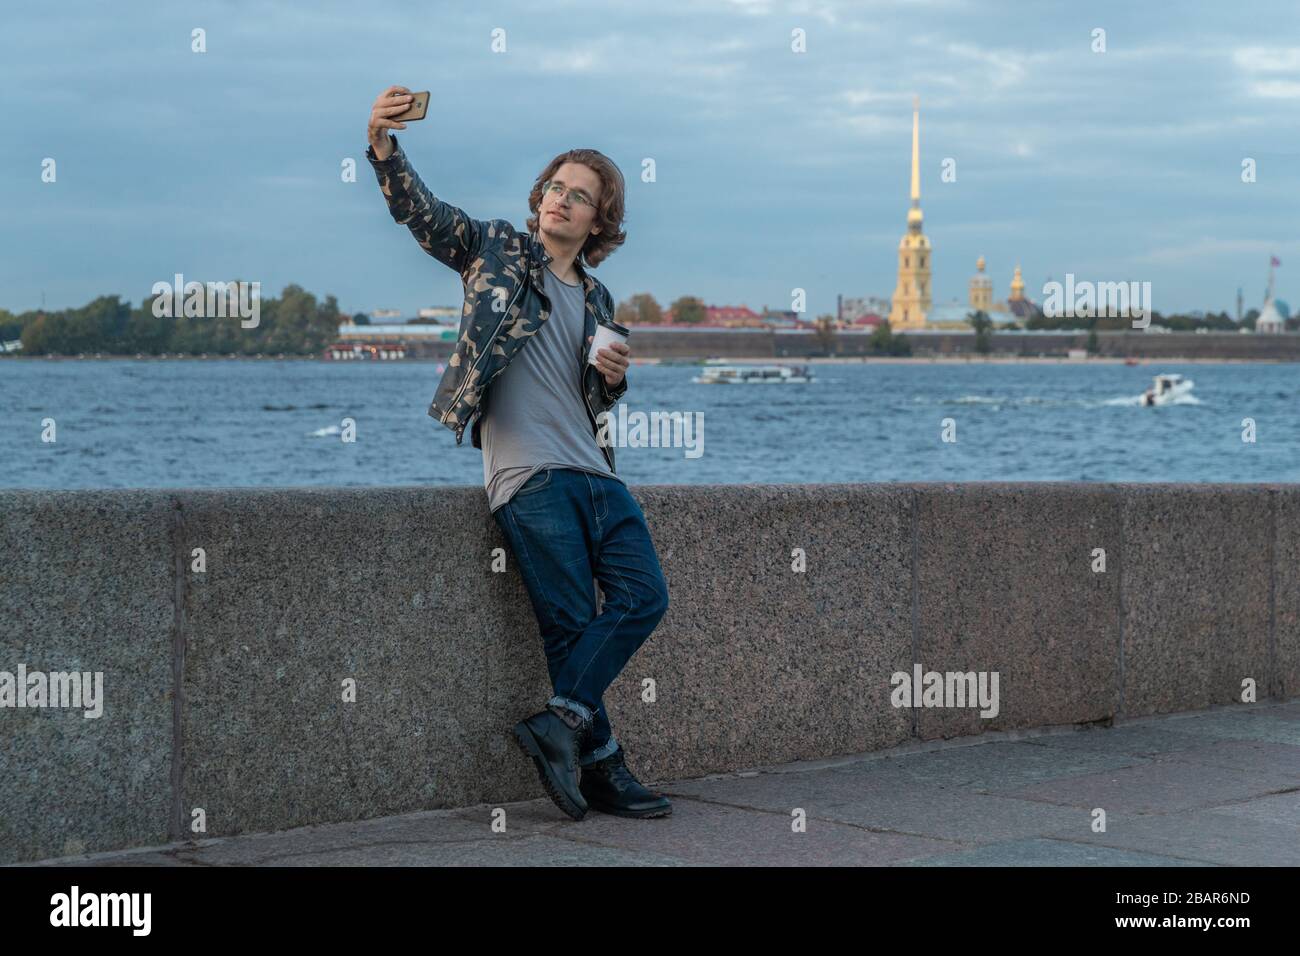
(391, 110)
(419, 108)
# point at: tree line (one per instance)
(296, 323)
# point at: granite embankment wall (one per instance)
(223, 685)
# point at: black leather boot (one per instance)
(610, 788)
(554, 743)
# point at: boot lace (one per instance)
(616, 770)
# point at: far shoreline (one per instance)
(687, 361)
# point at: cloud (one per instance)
(821, 9)
(1141, 144)
(1276, 90)
(1001, 69)
(1255, 60)
(860, 96)
(1259, 59)
(1210, 248)
(581, 59)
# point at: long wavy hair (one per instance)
(609, 210)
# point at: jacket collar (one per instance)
(539, 259)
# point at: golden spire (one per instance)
(1017, 286)
(914, 214)
(911, 302)
(916, 151)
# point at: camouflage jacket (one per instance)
(501, 269)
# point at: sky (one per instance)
(774, 170)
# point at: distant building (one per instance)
(868, 320)
(911, 301)
(731, 316)
(446, 313)
(780, 319)
(852, 309)
(955, 315)
(399, 332)
(949, 315)
(1019, 306)
(1271, 320)
(724, 316)
(912, 306)
(981, 288)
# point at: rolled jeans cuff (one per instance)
(577, 707)
(600, 753)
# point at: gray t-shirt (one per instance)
(536, 416)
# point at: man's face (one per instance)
(564, 215)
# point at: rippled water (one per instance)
(190, 423)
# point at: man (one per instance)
(529, 316)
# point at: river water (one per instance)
(123, 423)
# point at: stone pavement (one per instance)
(1218, 787)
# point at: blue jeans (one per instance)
(567, 529)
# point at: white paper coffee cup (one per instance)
(605, 334)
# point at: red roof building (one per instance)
(724, 316)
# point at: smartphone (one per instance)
(419, 107)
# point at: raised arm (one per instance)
(442, 230)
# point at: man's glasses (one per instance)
(556, 190)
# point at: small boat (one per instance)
(353, 352)
(1130, 361)
(1165, 389)
(744, 374)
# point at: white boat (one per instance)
(1166, 388)
(743, 374)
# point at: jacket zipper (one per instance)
(582, 387)
(487, 352)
